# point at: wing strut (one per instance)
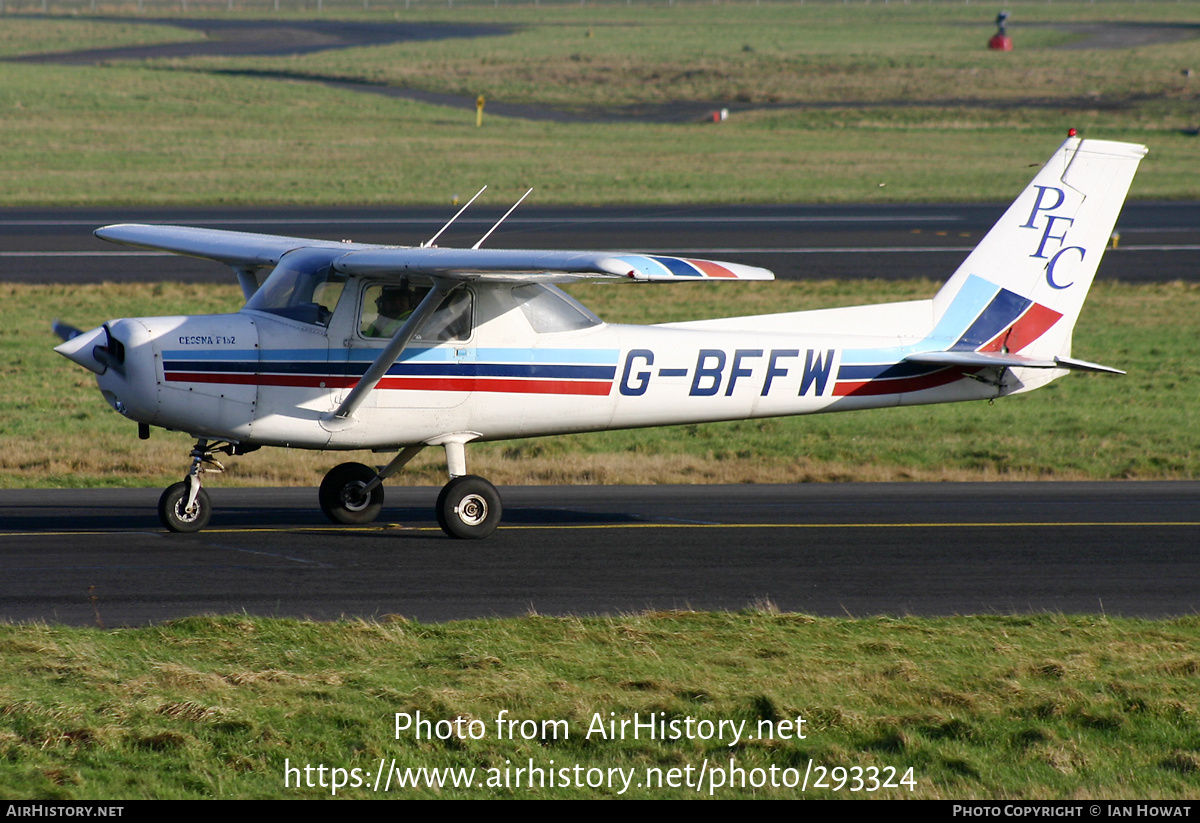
(343, 414)
(247, 279)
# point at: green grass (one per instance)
(23, 36)
(58, 431)
(777, 53)
(1013, 707)
(896, 85)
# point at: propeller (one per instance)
(96, 350)
(64, 331)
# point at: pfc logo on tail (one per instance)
(1048, 199)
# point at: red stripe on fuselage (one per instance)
(489, 384)
(445, 384)
(903, 385)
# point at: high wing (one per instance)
(252, 251)
(545, 266)
(234, 248)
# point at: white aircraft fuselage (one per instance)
(349, 346)
(264, 380)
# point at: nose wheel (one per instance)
(180, 511)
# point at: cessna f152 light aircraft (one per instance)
(393, 349)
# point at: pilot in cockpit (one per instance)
(394, 305)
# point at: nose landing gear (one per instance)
(184, 506)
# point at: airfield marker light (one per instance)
(1071, 132)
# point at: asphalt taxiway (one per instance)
(99, 557)
(1158, 242)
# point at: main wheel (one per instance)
(174, 513)
(342, 497)
(469, 507)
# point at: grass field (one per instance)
(841, 100)
(1012, 707)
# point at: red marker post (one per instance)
(1000, 40)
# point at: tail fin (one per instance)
(1018, 295)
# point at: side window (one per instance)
(386, 307)
(551, 310)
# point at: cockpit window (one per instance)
(386, 307)
(551, 310)
(302, 287)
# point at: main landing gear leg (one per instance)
(468, 506)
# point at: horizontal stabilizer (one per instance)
(1085, 365)
(989, 359)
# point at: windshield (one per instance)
(303, 287)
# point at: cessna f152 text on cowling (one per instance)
(351, 346)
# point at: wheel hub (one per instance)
(354, 498)
(472, 510)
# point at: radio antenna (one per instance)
(431, 240)
(479, 242)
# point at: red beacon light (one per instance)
(1071, 132)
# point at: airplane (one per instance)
(349, 346)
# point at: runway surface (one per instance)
(99, 556)
(1159, 242)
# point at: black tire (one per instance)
(175, 517)
(469, 508)
(341, 495)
